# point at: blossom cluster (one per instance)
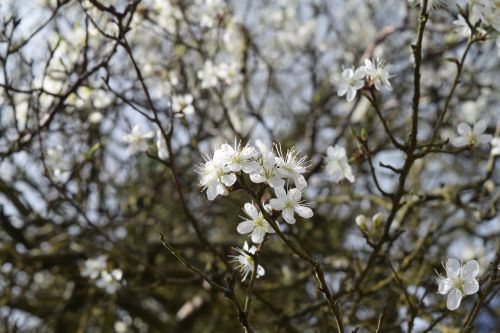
(372, 73)
(97, 269)
(231, 167)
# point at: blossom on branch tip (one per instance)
(215, 177)
(267, 171)
(246, 263)
(136, 140)
(290, 203)
(291, 166)
(459, 281)
(336, 164)
(256, 225)
(471, 136)
(240, 158)
(377, 74)
(350, 82)
(183, 105)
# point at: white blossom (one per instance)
(350, 82)
(289, 204)
(136, 140)
(110, 281)
(336, 164)
(459, 281)
(378, 74)
(245, 262)
(240, 158)
(94, 266)
(291, 166)
(208, 75)
(256, 225)
(215, 176)
(183, 105)
(267, 171)
(471, 135)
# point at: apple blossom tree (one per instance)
(250, 166)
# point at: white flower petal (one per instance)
(463, 129)
(470, 270)
(471, 287)
(480, 126)
(258, 235)
(454, 299)
(459, 141)
(287, 214)
(452, 267)
(251, 210)
(304, 211)
(245, 227)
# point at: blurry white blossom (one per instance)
(136, 140)
(377, 73)
(336, 164)
(94, 266)
(110, 281)
(183, 105)
(471, 135)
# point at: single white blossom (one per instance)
(267, 171)
(378, 74)
(137, 141)
(350, 82)
(215, 176)
(459, 281)
(110, 281)
(336, 164)
(93, 267)
(495, 146)
(57, 160)
(291, 166)
(183, 105)
(289, 204)
(246, 263)
(240, 158)
(208, 75)
(471, 136)
(256, 225)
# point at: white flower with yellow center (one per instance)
(289, 204)
(459, 281)
(257, 224)
(471, 136)
(246, 263)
